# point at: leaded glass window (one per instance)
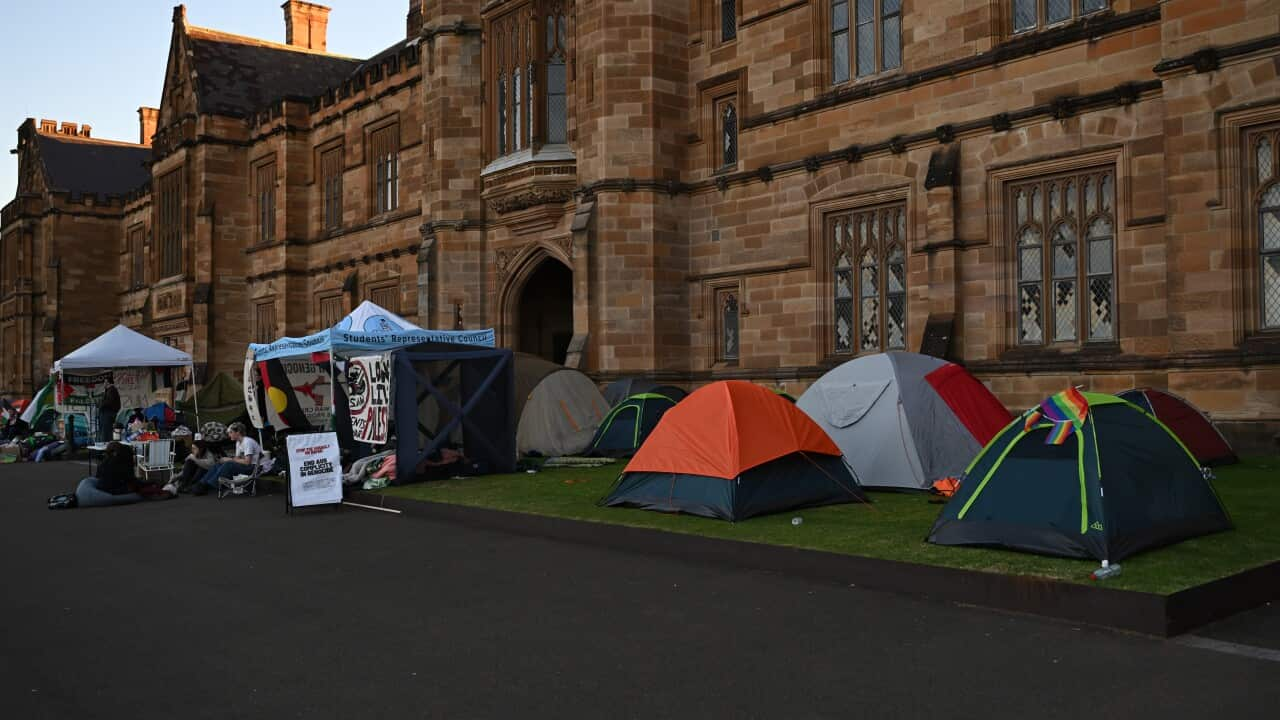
(1267, 211)
(729, 331)
(1065, 259)
(1032, 14)
(530, 61)
(876, 41)
(728, 20)
(869, 279)
(557, 79)
(728, 135)
(839, 41)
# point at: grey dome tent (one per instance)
(904, 420)
(559, 408)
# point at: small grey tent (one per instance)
(904, 420)
(559, 408)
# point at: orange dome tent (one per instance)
(733, 450)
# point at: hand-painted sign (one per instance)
(369, 397)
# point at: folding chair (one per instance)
(156, 456)
(245, 484)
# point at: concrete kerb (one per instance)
(1129, 610)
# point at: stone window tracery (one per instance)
(1064, 258)
(529, 75)
(869, 279)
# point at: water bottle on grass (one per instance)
(1107, 570)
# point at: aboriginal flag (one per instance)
(279, 395)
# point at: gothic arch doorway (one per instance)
(541, 315)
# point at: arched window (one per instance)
(1078, 279)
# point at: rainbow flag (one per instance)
(1067, 411)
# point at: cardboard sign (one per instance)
(315, 469)
(369, 397)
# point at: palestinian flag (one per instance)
(279, 395)
(42, 402)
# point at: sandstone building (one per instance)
(1052, 191)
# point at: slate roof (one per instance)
(84, 166)
(239, 76)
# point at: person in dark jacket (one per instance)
(108, 408)
(113, 482)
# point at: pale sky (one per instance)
(98, 62)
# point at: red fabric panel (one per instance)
(980, 412)
(1191, 427)
(728, 427)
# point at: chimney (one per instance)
(49, 127)
(69, 128)
(147, 118)
(305, 24)
(413, 22)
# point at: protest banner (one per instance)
(369, 397)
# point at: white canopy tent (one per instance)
(119, 348)
(122, 347)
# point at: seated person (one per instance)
(112, 483)
(201, 459)
(248, 452)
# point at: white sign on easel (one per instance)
(315, 470)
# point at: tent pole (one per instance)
(333, 395)
(195, 396)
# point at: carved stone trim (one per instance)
(530, 198)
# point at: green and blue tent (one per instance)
(625, 428)
(1083, 475)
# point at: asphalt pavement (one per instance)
(207, 608)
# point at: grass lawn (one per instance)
(894, 526)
